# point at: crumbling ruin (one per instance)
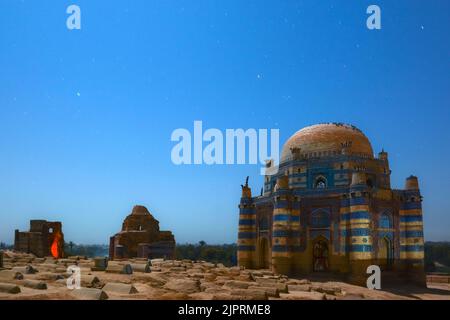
(45, 238)
(140, 237)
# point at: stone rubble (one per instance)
(27, 277)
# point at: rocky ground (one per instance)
(27, 277)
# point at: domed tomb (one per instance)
(330, 207)
(141, 237)
(326, 139)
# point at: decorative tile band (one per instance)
(280, 248)
(247, 216)
(246, 200)
(411, 205)
(411, 234)
(281, 204)
(356, 232)
(246, 248)
(411, 218)
(247, 211)
(355, 215)
(360, 248)
(247, 222)
(411, 248)
(247, 235)
(281, 217)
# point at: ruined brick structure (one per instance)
(45, 238)
(330, 208)
(140, 237)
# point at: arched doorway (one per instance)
(320, 255)
(263, 253)
(386, 252)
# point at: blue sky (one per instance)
(86, 115)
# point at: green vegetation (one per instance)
(4, 246)
(437, 257)
(224, 253)
(88, 250)
(437, 254)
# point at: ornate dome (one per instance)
(327, 139)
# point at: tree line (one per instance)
(437, 257)
(437, 254)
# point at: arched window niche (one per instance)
(385, 220)
(320, 219)
(320, 182)
(264, 223)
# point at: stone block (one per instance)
(35, 284)
(156, 262)
(89, 280)
(25, 269)
(299, 287)
(155, 269)
(247, 294)
(235, 284)
(9, 288)
(7, 275)
(89, 294)
(302, 295)
(178, 269)
(331, 290)
(50, 260)
(49, 276)
(154, 280)
(183, 285)
(269, 291)
(117, 268)
(121, 288)
(100, 263)
(265, 280)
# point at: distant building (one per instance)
(45, 238)
(140, 237)
(330, 208)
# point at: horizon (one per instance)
(191, 243)
(86, 116)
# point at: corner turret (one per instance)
(247, 228)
